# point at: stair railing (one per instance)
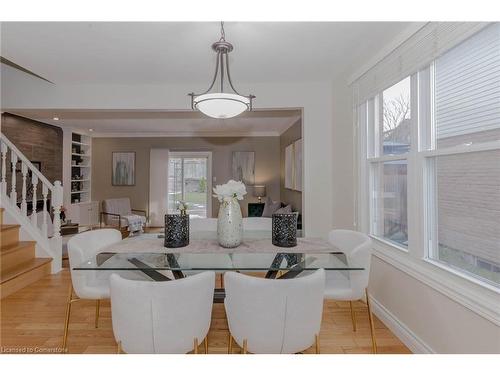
(29, 173)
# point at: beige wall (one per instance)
(267, 164)
(289, 196)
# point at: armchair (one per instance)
(117, 212)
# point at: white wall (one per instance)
(23, 91)
(343, 155)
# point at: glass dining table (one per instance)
(145, 254)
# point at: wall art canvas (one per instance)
(123, 169)
(244, 167)
(298, 165)
(289, 159)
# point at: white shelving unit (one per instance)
(81, 157)
(77, 178)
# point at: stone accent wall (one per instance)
(38, 142)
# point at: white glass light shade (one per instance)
(221, 105)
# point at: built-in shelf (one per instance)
(79, 192)
(80, 143)
(79, 151)
(81, 155)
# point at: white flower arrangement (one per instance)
(232, 189)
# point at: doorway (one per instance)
(190, 181)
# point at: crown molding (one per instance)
(96, 134)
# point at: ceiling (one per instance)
(110, 123)
(179, 52)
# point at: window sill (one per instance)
(463, 275)
(481, 298)
(385, 242)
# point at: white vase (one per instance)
(230, 224)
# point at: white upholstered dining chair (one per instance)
(351, 285)
(162, 317)
(90, 285)
(274, 316)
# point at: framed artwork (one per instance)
(293, 166)
(289, 160)
(123, 173)
(297, 148)
(243, 168)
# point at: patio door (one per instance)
(190, 180)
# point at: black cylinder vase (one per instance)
(285, 230)
(176, 230)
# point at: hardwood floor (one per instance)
(33, 318)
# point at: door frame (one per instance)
(198, 154)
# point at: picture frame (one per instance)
(243, 167)
(293, 166)
(123, 168)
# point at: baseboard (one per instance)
(405, 334)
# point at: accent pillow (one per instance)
(284, 210)
(270, 207)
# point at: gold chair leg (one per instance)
(353, 317)
(245, 346)
(195, 346)
(119, 348)
(97, 303)
(317, 344)
(206, 344)
(230, 344)
(68, 312)
(372, 328)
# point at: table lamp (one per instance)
(259, 191)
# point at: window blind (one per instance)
(428, 43)
(467, 86)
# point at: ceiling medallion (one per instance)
(221, 104)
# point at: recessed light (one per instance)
(91, 130)
(56, 118)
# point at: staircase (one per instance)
(28, 250)
(18, 264)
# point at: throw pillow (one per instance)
(284, 210)
(270, 207)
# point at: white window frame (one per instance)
(473, 293)
(198, 154)
(373, 125)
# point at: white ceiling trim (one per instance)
(182, 134)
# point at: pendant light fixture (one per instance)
(220, 104)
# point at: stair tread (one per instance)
(16, 246)
(23, 268)
(5, 227)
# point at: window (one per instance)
(389, 124)
(396, 118)
(433, 139)
(465, 216)
(189, 178)
(467, 212)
